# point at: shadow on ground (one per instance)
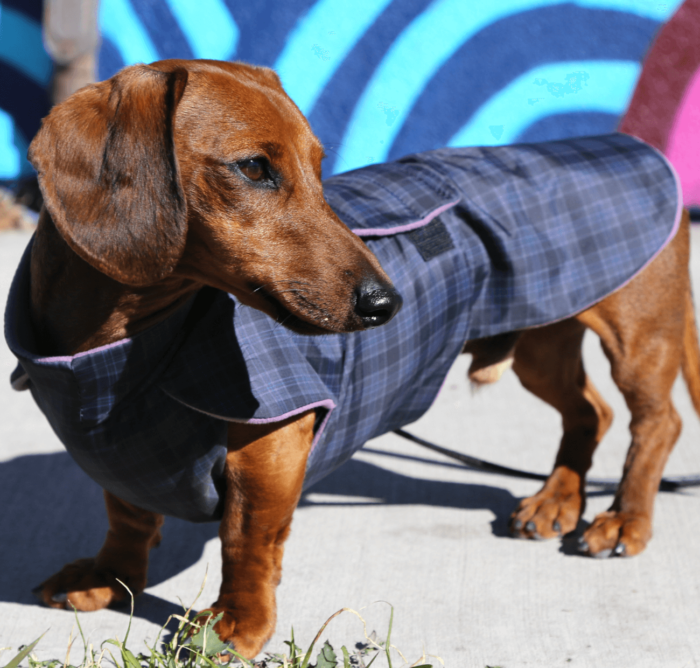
(55, 514)
(372, 484)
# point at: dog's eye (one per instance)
(254, 169)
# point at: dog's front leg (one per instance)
(91, 584)
(265, 469)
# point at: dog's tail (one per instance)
(691, 352)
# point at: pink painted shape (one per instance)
(683, 148)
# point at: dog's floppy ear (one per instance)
(109, 174)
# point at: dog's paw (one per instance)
(616, 534)
(554, 511)
(545, 515)
(247, 635)
(80, 585)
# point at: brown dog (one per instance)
(218, 174)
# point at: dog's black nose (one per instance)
(376, 303)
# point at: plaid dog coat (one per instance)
(478, 241)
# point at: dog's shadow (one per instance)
(361, 480)
(54, 514)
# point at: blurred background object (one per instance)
(71, 37)
(382, 78)
(36, 73)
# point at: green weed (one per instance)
(195, 644)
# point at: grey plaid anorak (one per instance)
(478, 241)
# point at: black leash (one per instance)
(666, 485)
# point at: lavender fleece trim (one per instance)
(70, 358)
(388, 231)
(328, 404)
(679, 209)
(674, 229)
(369, 232)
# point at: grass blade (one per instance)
(387, 644)
(307, 657)
(18, 659)
(131, 614)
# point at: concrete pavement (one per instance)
(397, 523)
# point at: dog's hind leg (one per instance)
(91, 584)
(548, 363)
(491, 356)
(642, 329)
(645, 365)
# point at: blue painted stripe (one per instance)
(556, 88)
(13, 149)
(21, 46)
(319, 43)
(122, 26)
(208, 26)
(419, 52)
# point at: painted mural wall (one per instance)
(377, 78)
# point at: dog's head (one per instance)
(208, 171)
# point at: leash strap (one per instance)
(666, 485)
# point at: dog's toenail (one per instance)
(517, 525)
(620, 550)
(61, 597)
(530, 527)
(603, 554)
(556, 526)
(582, 545)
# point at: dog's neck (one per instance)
(75, 307)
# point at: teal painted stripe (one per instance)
(120, 24)
(555, 88)
(319, 43)
(21, 46)
(657, 10)
(208, 27)
(418, 53)
(13, 149)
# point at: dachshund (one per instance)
(183, 186)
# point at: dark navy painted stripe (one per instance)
(119, 22)
(164, 30)
(319, 43)
(264, 26)
(553, 88)
(552, 34)
(109, 60)
(34, 9)
(335, 105)
(26, 108)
